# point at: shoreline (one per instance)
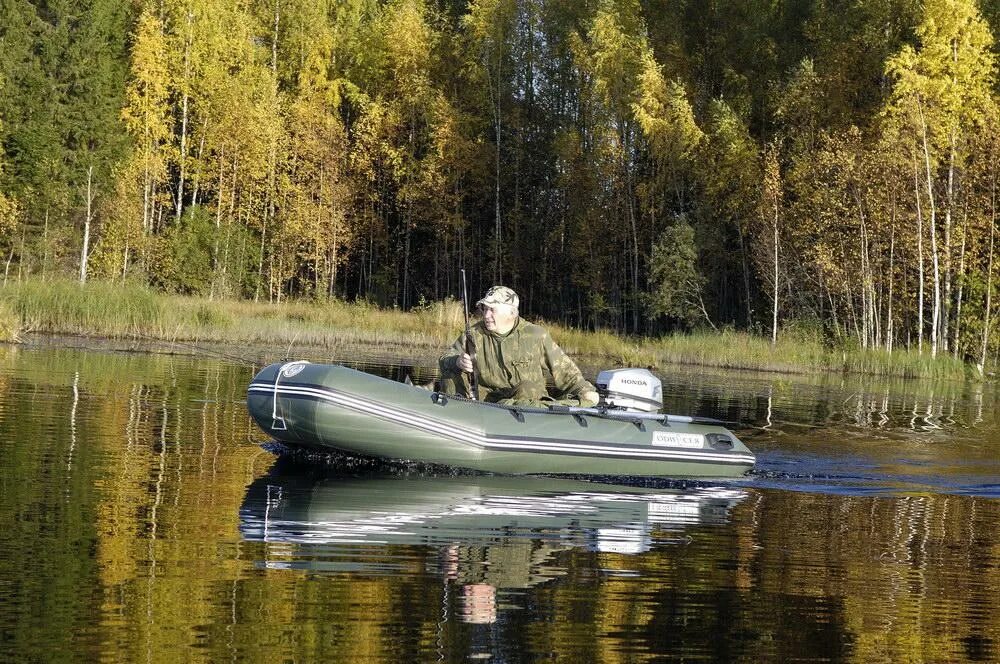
(133, 318)
(255, 355)
(422, 360)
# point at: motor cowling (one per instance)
(630, 389)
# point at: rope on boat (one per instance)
(278, 421)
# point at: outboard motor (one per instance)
(630, 389)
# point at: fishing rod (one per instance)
(470, 345)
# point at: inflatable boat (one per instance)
(336, 408)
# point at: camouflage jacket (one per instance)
(525, 354)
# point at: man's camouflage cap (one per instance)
(499, 295)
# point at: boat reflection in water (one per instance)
(484, 532)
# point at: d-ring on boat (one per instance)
(335, 408)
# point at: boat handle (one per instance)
(277, 421)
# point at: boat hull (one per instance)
(335, 408)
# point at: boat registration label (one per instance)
(671, 439)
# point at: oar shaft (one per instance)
(631, 415)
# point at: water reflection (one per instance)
(789, 404)
(484, 532)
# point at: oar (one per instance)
(607, 413)
(632, 415)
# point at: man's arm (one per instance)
(565, 374)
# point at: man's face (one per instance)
(498, 318)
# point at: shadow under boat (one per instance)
(301, 503)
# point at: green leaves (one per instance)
(677, 282)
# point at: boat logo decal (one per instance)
(672, 439)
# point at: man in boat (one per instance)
(511, 359)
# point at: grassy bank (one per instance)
(132, 312)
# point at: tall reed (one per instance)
(95, 308)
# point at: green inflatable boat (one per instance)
(335, 408)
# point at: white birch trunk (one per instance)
(86, 226)
(946, 267)
(920, 259)
(774, 308)
(935, 255)
(961, 287)
(989, 282)
(179, 202)
(888, 307)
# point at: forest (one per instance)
(636, 166)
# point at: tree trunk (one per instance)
(774, 308)
(633, 224)
(935, 256)
(989, 278)
(147, 197)
(961, 286)
(189, 38)
(498, 230)
(45, 245)
(947, 251)
(867, 288)
(746, 278)
(197, 173)
(6, 268)
(218, 228)
(889, 331)
(86, 226)
(497, 127)
(920, 258)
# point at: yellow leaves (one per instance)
(9, 211)
(313, 188)
(146, 112)
(665, 114)
(613, 57)
(409, 42)
(772, 193)
(486, 19)
(945, 84)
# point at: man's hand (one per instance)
(589, 398)
(464, 363)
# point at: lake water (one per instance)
(143, 518)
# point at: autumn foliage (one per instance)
(629, 166)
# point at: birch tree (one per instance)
(769, 235)
(940, 89)
(146, 116)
